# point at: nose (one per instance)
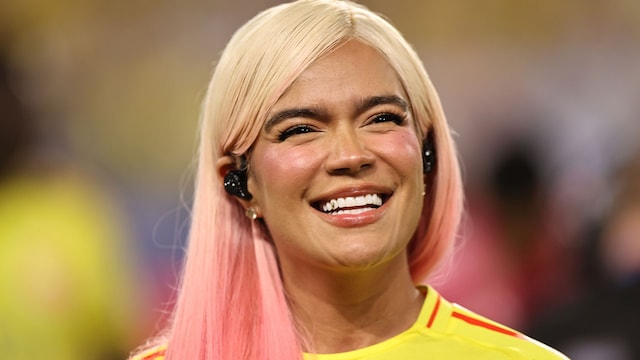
(348, 155)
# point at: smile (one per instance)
(351, 205)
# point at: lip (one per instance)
(353, 220)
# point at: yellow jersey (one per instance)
(443, 330)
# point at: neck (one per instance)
(346, 310)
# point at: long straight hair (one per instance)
(231, 303)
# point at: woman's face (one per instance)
(337, 170)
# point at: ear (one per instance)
(227, 169)
(224, 165)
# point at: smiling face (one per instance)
(336, 172)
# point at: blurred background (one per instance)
(99, 103)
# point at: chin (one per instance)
(363, 258)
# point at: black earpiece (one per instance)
(235, 181)
(428, 155)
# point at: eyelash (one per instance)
(385, 117)
(304, 129)
(294, 130)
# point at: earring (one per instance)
(235, 183)
(251, 213)
(428, 155)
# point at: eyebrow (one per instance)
(315, 113)
(373, 101)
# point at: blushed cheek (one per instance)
(410, 140)
(287, 167)
(404, 149)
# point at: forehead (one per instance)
(353, 70)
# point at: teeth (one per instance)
(349, 202)
(352, 211)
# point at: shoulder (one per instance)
(473, 335)
(153, 353)
(479, 329)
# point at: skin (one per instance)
(342, 129)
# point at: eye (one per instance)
(294, 130)
(388, 117)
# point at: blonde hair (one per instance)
(231, 302)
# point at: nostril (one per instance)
(349, 162)
(349, 166)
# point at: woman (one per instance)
(327, 190)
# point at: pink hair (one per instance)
(231, 302)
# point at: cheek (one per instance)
(404, 151)
(288, 168)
